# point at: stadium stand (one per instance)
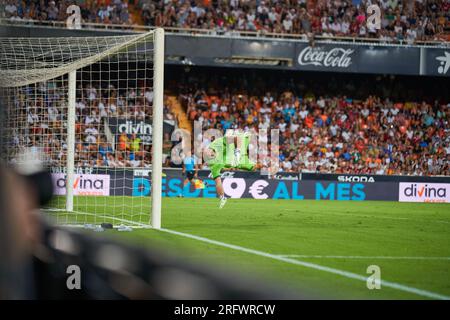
(326, 131)
(321, 131)
(115, 12)
(401, 21)
(41, 125)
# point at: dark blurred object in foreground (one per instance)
(19, 230)
(110, 270)
(37, 260)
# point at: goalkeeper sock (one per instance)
(237, 157)
(223, 200)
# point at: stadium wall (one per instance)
(285, 54)
(238, 184)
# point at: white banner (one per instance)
(424, 192)
(83, 185)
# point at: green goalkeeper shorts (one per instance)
(244, 163)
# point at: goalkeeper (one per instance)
(229, 152)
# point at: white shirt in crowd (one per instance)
(380, 171)
(410, 134)
(303, 113)
(346, 135)
(91, 93)
(92, 118)
(345, 27)
(304, 140)
(362, 31)
(321, 103)
(32, 118)
(264, 125)
(10, 8)
(268, 99)
(329, 154)
(265, 109)
(102, 108)
(365, 112)
(53, 114)
(92, 134)
(287, 24)
(294, 127)
(286, 164)
(149, 96)
(273, 15)
(394, 111)
(80, 105)
(112, 108)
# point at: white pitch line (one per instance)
(314, 266)
(114, 218)
(360, 257)
(139, 224)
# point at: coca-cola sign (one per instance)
(335, 57)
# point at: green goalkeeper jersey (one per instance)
(224, 155)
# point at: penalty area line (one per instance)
(314, 266)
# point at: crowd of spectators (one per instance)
(335, 134)
(95, 11)
(401, 20)
(38, 118)
(320, 130)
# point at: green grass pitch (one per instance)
(410, 242)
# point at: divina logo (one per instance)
(129, 127)
(425, 191)
(82, 183)
(88, 184)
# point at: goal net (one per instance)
(91, 108)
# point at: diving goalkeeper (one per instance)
(228, 152)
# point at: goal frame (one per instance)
(157, 132)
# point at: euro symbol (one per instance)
(257, 188)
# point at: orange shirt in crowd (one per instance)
(359, 145)
(192, 114)
(123, 141)
(309, 121)
(103, 2)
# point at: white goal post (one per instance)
(92, 109)
(158, 86)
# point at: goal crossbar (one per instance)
(20, 69)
